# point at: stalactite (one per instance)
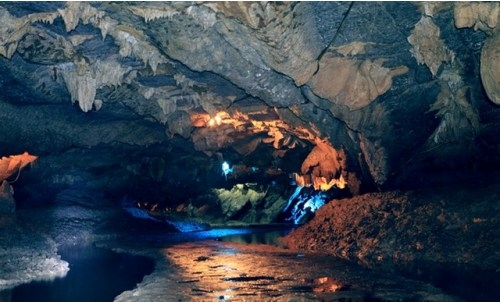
(43, 17)
(153, 13)
(106, 25)
(428, 48)
(83, 79)
(133, 42)
(82, 87)
(12, 30)
(76, 11)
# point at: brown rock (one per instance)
(352, 83)
(490, 68)
(480, 15)
(428, 48)
(393, 226)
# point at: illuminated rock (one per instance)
(393, 86)
(395, 226)
(14, 164)
(323, 168)
(234, 200)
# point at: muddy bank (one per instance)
(448, 225)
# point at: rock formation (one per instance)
(145, 101)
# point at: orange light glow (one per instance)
(214, 270)
(323, 168)
(198, 119)
(14, 164)
(220, 118)
(211, 122)
(326, 284)
(319, 183)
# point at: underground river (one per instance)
(240, 264)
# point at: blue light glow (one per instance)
(226, 169)
(303, 202)
(215, 233)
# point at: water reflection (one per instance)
(228, 265)
(255, 234)
(94, 275)
(265, 236)
(225, 271)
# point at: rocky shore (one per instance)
(447, 225)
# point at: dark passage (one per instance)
(96, 275)
(463, 281)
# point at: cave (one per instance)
(349, 148)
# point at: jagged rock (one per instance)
(234, 200)
(45, 47)
(323, 168)
(393, 85)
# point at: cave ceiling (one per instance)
(159, 94)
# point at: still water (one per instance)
(95, 275)
(247, 264)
